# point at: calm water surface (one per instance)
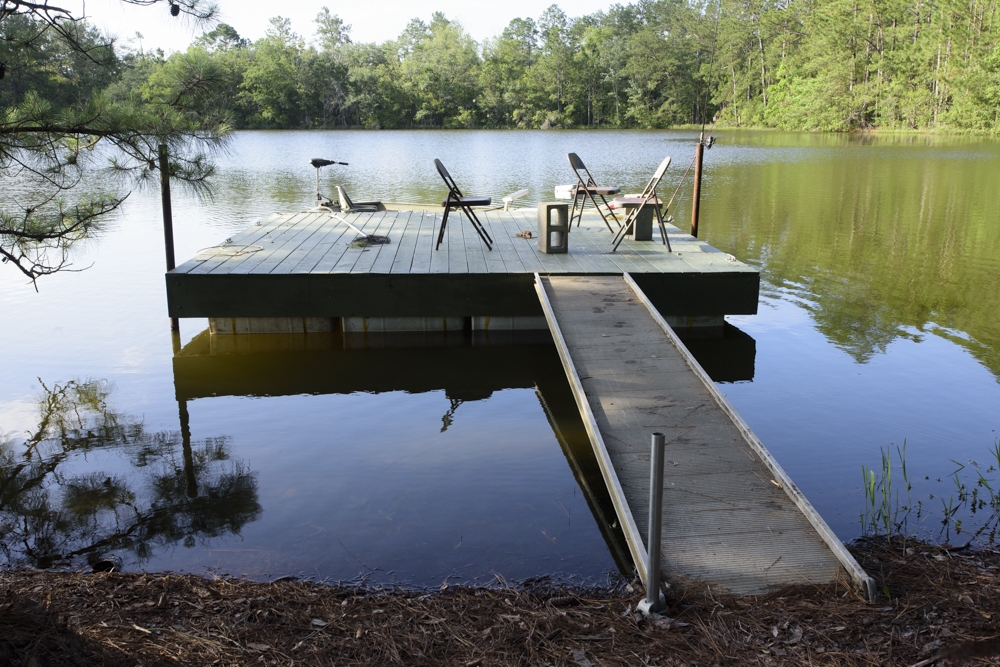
(878, 325)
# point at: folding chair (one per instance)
(348, 206)
(459, 201)
(646, 198)
(589, 188)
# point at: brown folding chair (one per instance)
(459, 201)
(589, 188)
(647, 198)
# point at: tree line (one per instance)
(790, 64)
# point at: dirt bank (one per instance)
(937, 600)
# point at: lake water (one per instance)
(878, 325)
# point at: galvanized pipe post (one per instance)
(168, 218)
(699, 154)
(655, 600)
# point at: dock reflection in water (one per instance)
(409, 498)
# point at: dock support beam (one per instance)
(168, 218)
(655, 600)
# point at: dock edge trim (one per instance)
(853, 568)
(629, 527)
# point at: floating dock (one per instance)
(308, 266)
(732, 517)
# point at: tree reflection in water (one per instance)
(55, 508)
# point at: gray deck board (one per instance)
(321, 246)
(503, 245)
(458, 257)
(210, 258)
(301, 264)
(387, 253)
(423, 253)
(726, 519)
(379, 225)
(274, 246)
(318, 243)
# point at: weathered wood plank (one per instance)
(502, 244)
(205, 262)
(319, 233)
(352, 255)
(396, 232)
(296, 230)
(633, 378)
(378, 225)
(423, 253)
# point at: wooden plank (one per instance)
(396, 234)
(352, 255)
(861, 578)
(475, 250)
(631, 377)
(249, 236)
(333, 232)
(440, 260)
(525, 253)
(278, 245)
(320, 231)
(423, 253)
(503, 246)
(458, 261)
(625, 518)
(407, 243)
(382, 223)
(289, 254)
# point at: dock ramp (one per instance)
(732, 518)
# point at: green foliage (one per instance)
(69, 105)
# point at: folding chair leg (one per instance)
(483, 234)
(572, 214)
(630, 219)
(610, 210)
(444, 222)
(599, 211)
(663, 229)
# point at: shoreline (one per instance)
(933, 600)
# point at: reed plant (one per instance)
(889, 508)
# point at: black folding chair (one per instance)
(589, 188)
(459, 201)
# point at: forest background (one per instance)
(790, 64)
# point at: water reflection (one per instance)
(883, 244)
(468, 368)
(89, 480)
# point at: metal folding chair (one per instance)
(589, 188)
(459, 201)
(646, 198)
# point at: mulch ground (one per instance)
(938, 606)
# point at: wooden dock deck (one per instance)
(731, 516)
(306, 265)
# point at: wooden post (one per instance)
(189, 474)
(168, 219)
(699, 154)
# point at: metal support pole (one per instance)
(655, 600)
(168, 218)
(699, 155)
